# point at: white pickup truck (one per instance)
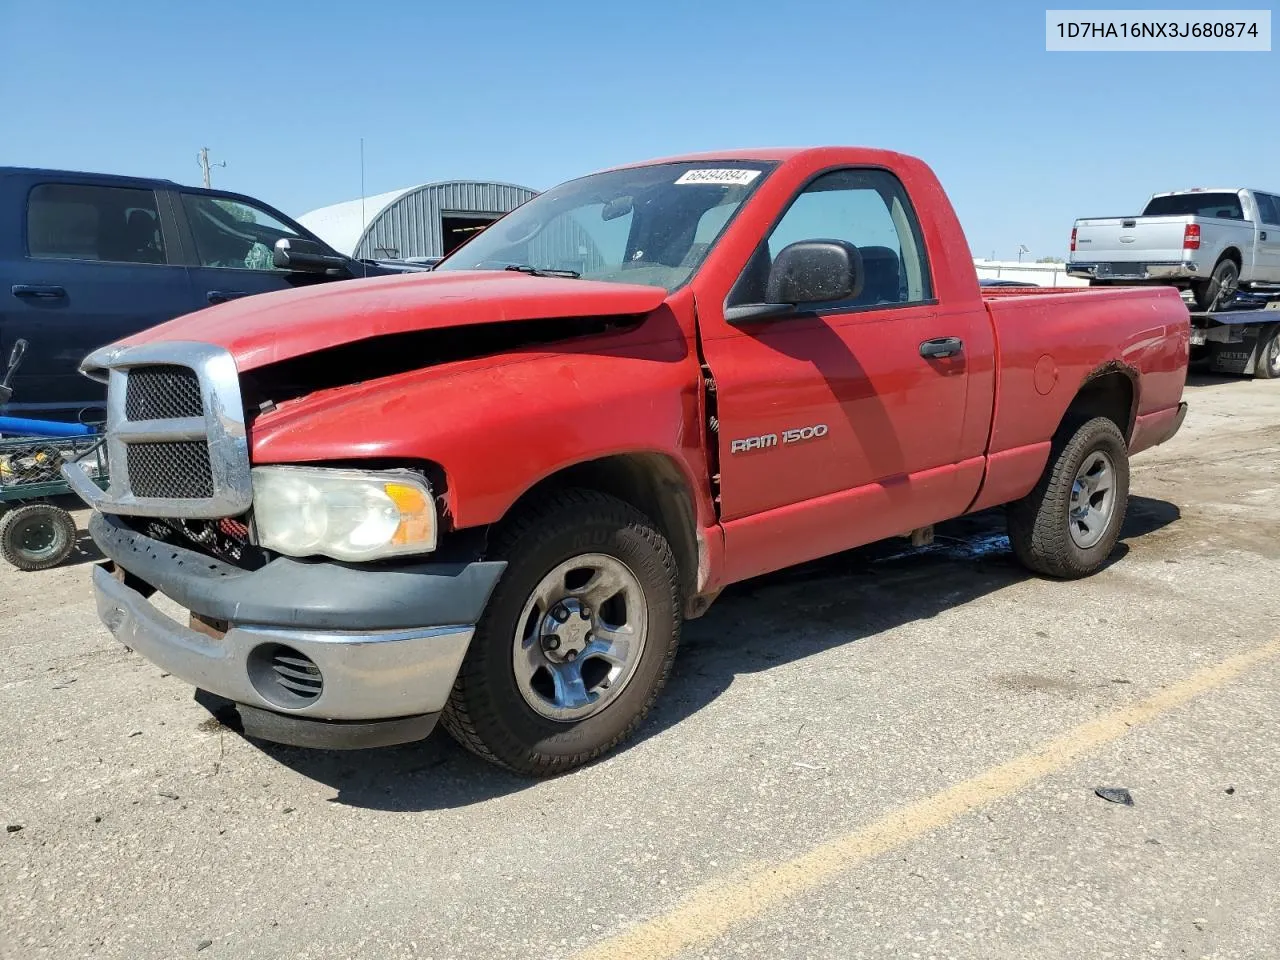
(1207, 242)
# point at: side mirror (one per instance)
(815, 271)
(297, 253)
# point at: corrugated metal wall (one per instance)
(565, 245)
(410, 227)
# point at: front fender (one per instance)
(498, 427)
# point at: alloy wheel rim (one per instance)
(1227, 287)
(580, 637)
(1093, 499)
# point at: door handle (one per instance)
(941, 347)
(39, 291)
(222, 296)
(1262, 235)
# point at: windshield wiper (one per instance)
(536, 272)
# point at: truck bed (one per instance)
(1151, 327)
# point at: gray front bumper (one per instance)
(366, 676)
(387, 640)
(306, 594)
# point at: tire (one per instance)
(1094, 282)
(1042, 531)
(501, 711)
(1224, 281)
(37, 536)
(1267, 365)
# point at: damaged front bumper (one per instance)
(316, 654)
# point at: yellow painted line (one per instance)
(714, 909)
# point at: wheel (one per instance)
(37, 536)
(1220, 289)
(1069, 524)
(1095, 282)
(1267, 366)
(577, 639)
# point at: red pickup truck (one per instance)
(490, 493)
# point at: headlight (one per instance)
(343, 514)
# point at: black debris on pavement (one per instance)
(1115, 795)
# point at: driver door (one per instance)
(834, 428)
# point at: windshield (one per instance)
(1224, 206)
(650, 225)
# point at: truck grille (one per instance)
(162, 392)
(180, 469)
(176, 439)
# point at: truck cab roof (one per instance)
(1178, 193)
(115, 178)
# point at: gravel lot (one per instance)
(823, 778)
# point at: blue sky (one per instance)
(1023, 140)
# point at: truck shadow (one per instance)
(1206, 379)
(779, 618)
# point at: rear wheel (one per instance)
(1220, 289)
(37, 536)
(1267, 366)
(577, 639)
(1069, 524)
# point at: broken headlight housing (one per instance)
(343, 514)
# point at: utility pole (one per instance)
(202, 158)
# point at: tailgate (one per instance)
(1130, 240)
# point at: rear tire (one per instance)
(518, 701)
(1069, 524)
(1221, 285)
(1267, 365)
(37, 536)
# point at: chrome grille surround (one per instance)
(221, 429)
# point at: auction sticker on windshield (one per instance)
(727, 177)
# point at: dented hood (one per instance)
(272, 327)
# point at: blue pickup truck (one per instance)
(86, 259)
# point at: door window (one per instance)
(73, 221)
(1268, 208)
(868, 208)
(232, 233)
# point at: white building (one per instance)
(1041, 274)
(428, 220)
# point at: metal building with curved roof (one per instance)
(428, 220)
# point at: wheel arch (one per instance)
(652, 482)
(1109, 391)
(1231, 253)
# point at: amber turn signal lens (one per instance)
(417, 518)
